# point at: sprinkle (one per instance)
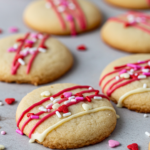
(49, 105)
(57, 2)
(30, 114)
(21, 61)
(144, 85)
(145, 70)
(61, 9)
(9, 101)
(66, 102)
(1, 31)
(55, 106)
(134, 66)
(90, 88)
(72, 97)
(147, 133)
(2, 147)
(79, 98)
(56, 100)
(29, 42)
(123, 71)
(69, 18)
(48, 5)
(11, 49)
(45, 94)
(19, 131)
(146, 73)
(40, 36)
(48, 110)
(117, 78)
(42, 109)
(34, 35)
(42, 50)
(88, 99)
(133, 146)
(141, 76)
(67, 94)
(67, 114)
(51, 98)
(15, 46)
(149, 63)
(97, 97)
(58, 114)
(63, 109)
(130, 18)
(13, 29)
(145, 115)
(34, 117)
(62, 96)
(86, 107)
(3, 132)
(71, 6)
(113, 143)
(125, 75)
(82, 47)
(73, 100)
(1, 104)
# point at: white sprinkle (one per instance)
(67, 114)
(149, 63)
(40, 36)
(61, 9)
(97, 97)
(58, 114)
(144, 85)
(138, 19)
(56, 100)
(131, 18)
(145, 115)
(34, 39)
(45, 94)
(141, 77)
(1, 104)
(42, 109)
(66, 102)
(51, 98)
(90, 88)
(31, 50)
(125, 75)
(72, 97)
(21, 61)
(48, 5)
(57, 2)
(42, 50)
(145, 70)
(132, 70)
(55, 106)
(73, 100)
(15, 46)
(71, 6)
(49, 105)
(147, 133)
(117, 78)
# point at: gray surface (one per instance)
(87, 68)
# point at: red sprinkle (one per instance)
(62, 96)
(20, 40)
(1, 31)
(63, 109)
(43, 46)
(9, 101)
(97, 92)
(81, 47)
(30, 114)
(88, 99)
(78, 94)
(133, 146)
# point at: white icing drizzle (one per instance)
(41, 136)
(136, 91)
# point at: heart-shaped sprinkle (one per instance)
(9, 101)
(81, 47)
(29, 114)
(63, 109)
(86, 107)
(67, 94)
(45, 94)
(133, 146)
(113, 143)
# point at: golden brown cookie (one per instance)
(33, 58)
(62, 17)
(131, 4)
(129, 32)
(70, 116)
(127, 82)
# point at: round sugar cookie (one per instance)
(70, 116)
(129, 32)
(62, 17)
(33, 58)
(127, 82)
(130, 4)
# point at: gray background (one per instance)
(87, 68)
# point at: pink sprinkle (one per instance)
(34, 117)
(134, 66)
(49, 105)
(141, 62)
(79, 98)
(69, 18)
(34, 35)
(48, 110)
(146, 73)
(29, 42)
(19, 132)
(113, 143)
(11, 49)
(13, 29)
(67, 94)
(123, 71)
(3, 132)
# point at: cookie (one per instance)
(127, 82)
(70, 116)
(33, 58)
(129, 32)
(134, 4)
(62, 17)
